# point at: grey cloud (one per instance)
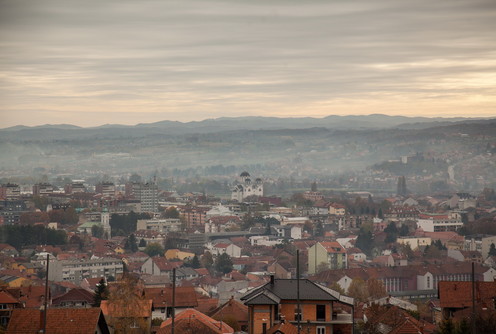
(294, 51)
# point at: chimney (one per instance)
(272, 279)
(42, 319)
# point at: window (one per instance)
(320, 312)
(321, 330)
(297, 314)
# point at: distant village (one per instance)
(130, 257)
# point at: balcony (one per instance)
(337, 319)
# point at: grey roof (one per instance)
(285, 289)
(264, 298)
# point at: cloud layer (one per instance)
(126, 61)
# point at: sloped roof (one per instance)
(74, 295)
(231, 308)
(140, 308)
(191, 320)
(286, 289)
(185, 296)
(7, 298)
(453, 294)
(59, 321)
(283, 327)
(264, 297)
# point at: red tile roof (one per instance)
(185, 296)
(30, 296)
(285, 327)
(140, 308)
(7, 298)
(231, 308)
(454, 294)
(59, 321)
(191, 320)
(74, 295)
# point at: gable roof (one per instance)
(231, 308)
(283, 328)
(59, 321)
(141, 308)
(191, 319)
(286, 289)
(6, 298)
(74, 295)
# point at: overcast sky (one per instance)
(127, 61)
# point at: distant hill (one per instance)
(374, 121)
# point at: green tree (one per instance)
(153, 249)
(223, 263)
(365, 241)
(446, 327)
(131, 244)
(97, 231)
(142, 243)
(207, 260)
(70, 216)
(101, 293)
(195, 262)
(492, 250)
(358, 290)
(171, 212)
(404, 230)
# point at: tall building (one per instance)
(10, 192)
(42, 189)
(107, 189)
(146, 193)
(245, 187)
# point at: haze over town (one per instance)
(247, 167)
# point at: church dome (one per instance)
(245, 174)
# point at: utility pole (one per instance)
(46, 296)
(173, 298)
(298, 319)
(473, 298)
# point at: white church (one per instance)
(245, 187)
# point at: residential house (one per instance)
(300, 302)
(58, 321)
(7, 304)
(159, 266)
(185, 297)
(8, 250)
(331, 253)
(232, 309)
(74, 298)
(223, 248)
(281, 269)
(456, 296)
(193, 321)
(481, 243)
(414, 242)
(287, 231)
(217, 224)
(123, 318)
(176, 254)
(337, 209)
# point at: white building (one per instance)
(160, 225)
(75, 271)
(432, 222)
(245, 187)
